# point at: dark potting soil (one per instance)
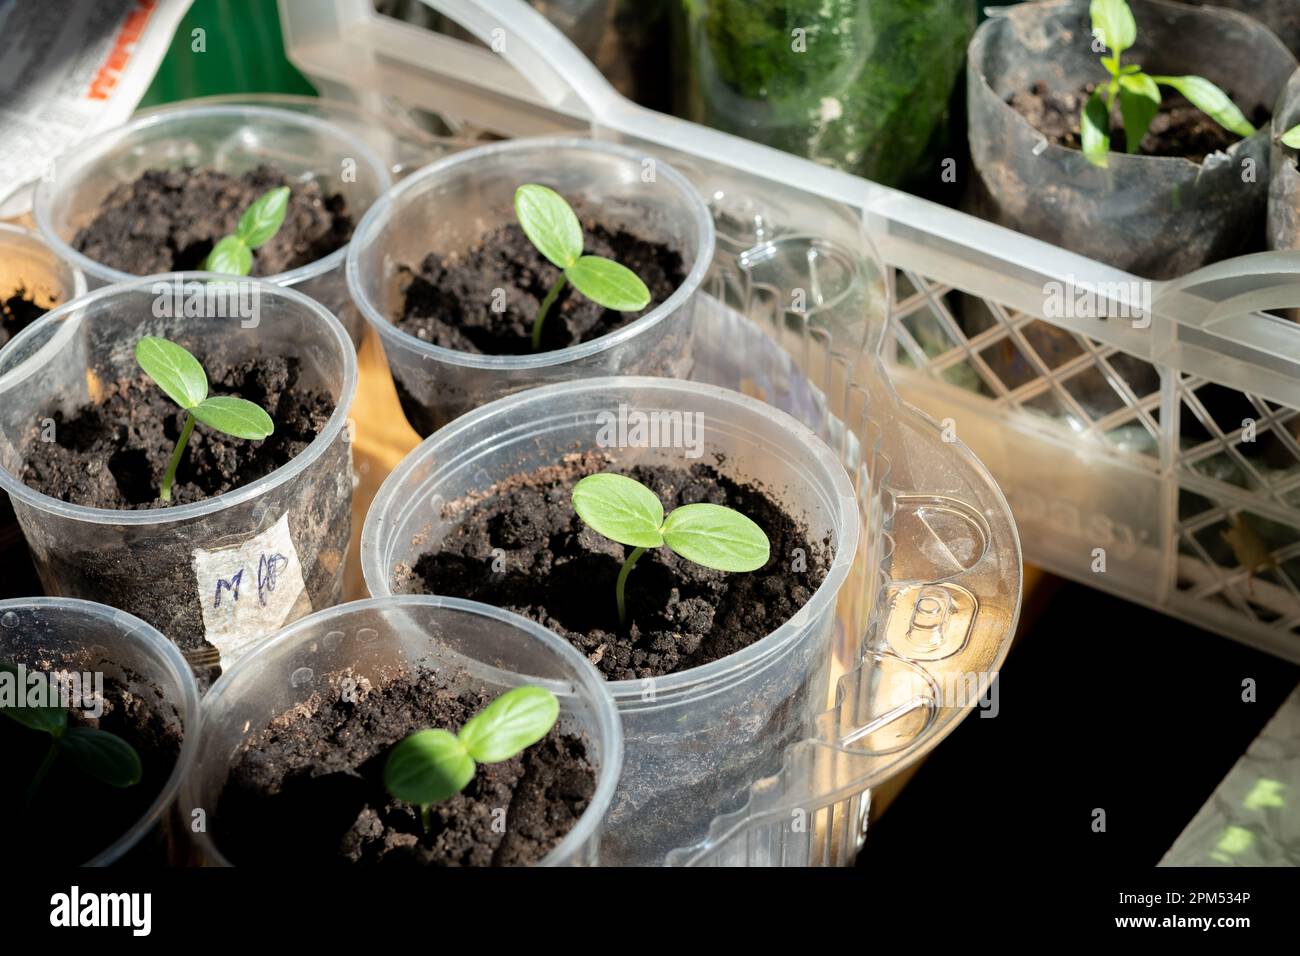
(169, 219)
(309, 787)
(560, 573)
(17, 312)
(112, 453)
(450, 299)
(1178, 129)
(73, 817)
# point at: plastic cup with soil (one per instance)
(714, 673)
(33, 280)
(445, 274)
(1194, 193)
(156, 194)
(123, 678)
(297, 735)
(255, 532)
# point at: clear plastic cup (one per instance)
(28, 265)
(158, 563)
(695, 739)
(55, 633)
(450, 205)
(230, 139)
(491, 648)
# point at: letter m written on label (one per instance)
(230, 584)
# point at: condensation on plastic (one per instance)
(446, 209)
(1155, 216)
(871, 95)
(230, 139)
(795, 312)
(54, 633)
(475, 645)
(697, 737)
(128, 556)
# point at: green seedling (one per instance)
(1138, 92)
(624, 510)
(182, 379)
(430, 766)
(233, 254)
(1292, 137)
(552, 227)
(97, 753)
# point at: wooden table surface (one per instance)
(382, 439)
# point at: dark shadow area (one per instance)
(1103, 704)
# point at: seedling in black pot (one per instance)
(97, 753)
(432, 765)
(624, 510)
(182, 379)
(233, 254)
(552, 227)
(1138, 92)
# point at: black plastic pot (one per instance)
(1280, 16)
(1155, 216)
(1284, 183)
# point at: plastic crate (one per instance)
(1154, 454)
(799, 308)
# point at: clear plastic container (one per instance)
(231, 139)
(29, 266)
(495, 649)
(159, 563)
(450, 205)
(55, 633)
(695, 739)
(872, 97)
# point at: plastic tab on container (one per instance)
(929, 622)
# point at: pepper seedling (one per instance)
(233, 254)
(182, 379)
(552, 227)
(97, 753)
(430, 766)
(624, 510)
(1292, 137)
(1139, 93)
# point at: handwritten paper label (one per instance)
(250, 590)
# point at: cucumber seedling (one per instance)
(97, 753)
(624, 510)
(233, 254)
(552, 227)
(432, 765)
(1138, 92)
(182, 379)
